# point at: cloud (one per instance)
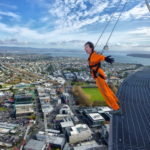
(8, 6)
(127, 44)
(10, 14)
(69, 42)
(138, 12)
(14, 42)
(58, 38)
(75, 13)
(22, 32)
(32, 34)
(73, 22)
(134, 39)
(141, 31)
(45, 19)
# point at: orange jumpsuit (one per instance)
(103, 87)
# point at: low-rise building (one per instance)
(23, 104)
(54, 141)
(105, 108)
(24, 109)
(35, 145)
(64, 112)
(66, 124)
(78, 133)
(91, 145)
(94, 119)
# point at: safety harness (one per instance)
(95, 71)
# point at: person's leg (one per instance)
(111, 93)
(105, 91)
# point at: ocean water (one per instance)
(119, 57)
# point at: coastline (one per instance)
(140, 55)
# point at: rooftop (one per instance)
(51, 138)
(96, 116)
(79, 128)
(35, 145)
(105, 108)
(67, 124)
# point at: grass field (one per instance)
(3, 109)
(94, 94)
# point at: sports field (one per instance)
(94, 94)
(3, 109)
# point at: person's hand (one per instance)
(109, 59)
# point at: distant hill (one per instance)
(25, 48)
(34, 50)
(139, 55)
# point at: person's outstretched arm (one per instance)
(100, 57)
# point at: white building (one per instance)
(66, 124)
(79, 133)
(106, 109)
(24, 109)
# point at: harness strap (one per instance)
(95, 71)
(91, 66)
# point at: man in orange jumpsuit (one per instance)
(99, 76)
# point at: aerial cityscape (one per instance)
(43, 98)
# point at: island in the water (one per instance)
(139, 55)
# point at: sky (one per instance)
(70, 23)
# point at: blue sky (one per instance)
(70, 23)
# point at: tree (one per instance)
(83, 98)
